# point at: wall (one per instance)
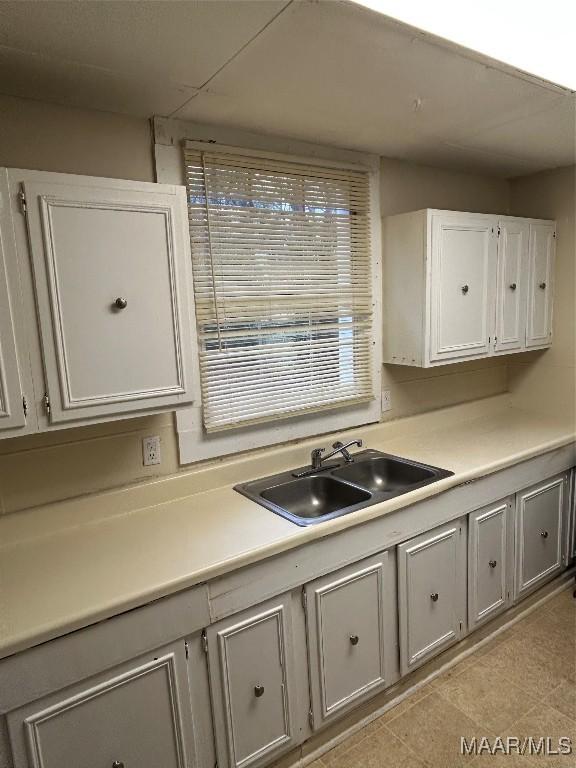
(547, 380)
(409, 187)
(43, 468)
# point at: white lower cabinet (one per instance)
(541, 524)
(135, 715)
(254, 683)
(351, 635)
(431, 593)
(489, 555)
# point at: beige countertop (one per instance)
(68, 565)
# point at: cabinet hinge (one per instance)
(46, 401)
(204, 641)
(22, 200)
(186, 648)
(311, 718)
(554, 235)
(304, 598)
(25, 406)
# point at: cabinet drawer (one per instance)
(488, 566)
(539, 531)
(137, 717)
(431, 587)
(251, 676)
(347, 627)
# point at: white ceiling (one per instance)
(319, 70)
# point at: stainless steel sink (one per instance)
(384, 473)
(340, 488)
(314, 496)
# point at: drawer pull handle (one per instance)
(543, 286)
(120, 303)
(512, 286)
(492, 563)
(258, 691)
(465, 289)
(434, 597)
(354, 639)
(544, 534)
(117, 764)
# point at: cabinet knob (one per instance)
(258, 691)
(117, 764)
(434, 597)
(465, 289)
(542, 286)
(544, 534)
(492, 563)
(512, 286)
(354, 639)
(120, 303)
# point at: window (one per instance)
(282, 284)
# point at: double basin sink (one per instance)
(307, 497)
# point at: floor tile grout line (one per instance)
(404, 743)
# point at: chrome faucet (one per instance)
(317, 456)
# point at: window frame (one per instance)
(195, 444)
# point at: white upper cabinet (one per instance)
(16, 394)
(513, 236)
(462, 268)
(460, 286)
(540, 284)
(108, 264)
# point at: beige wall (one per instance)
(546, 380)
(42, 468)
(408, 187)
(51, 138)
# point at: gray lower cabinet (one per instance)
(431, 593)
(490, 551)
(135, 715)
(541, 524)
(254, 683)
(351, 635)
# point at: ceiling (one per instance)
(325, 71)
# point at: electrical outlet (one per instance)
(151, 450)
(386, 400)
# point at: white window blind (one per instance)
(282, 284)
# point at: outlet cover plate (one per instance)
(151, 450)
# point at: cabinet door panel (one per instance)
(12, 416)
(347, 626)
(540, 285)
(488, 548)
(251, 678)
(111, 290)
(462, 287)
(512, 282)
(430, 595)
(539, 531)
(138, 718)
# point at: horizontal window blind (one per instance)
(282, 284)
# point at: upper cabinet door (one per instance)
(512, 284)
(462, 285)
(540, 285)
(12, 411)
(110, 261)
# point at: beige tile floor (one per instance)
(522, 683)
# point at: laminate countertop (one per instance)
(68, 565)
